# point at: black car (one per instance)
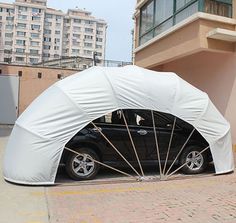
(91, 144)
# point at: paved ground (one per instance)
(202, 199)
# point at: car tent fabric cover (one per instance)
(38, 138)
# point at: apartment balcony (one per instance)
(188, 31)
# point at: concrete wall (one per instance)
(30, 85)
(214, 73)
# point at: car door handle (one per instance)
(142, 132)
(98, 129)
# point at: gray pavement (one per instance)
(203, 198)
(17, 204)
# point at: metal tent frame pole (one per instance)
(132, 142)
(112, 145)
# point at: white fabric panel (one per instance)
(38, 138)
(91, 91)
(30, 164)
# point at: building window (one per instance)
(8, 43)
(34, 52)
(47, 55)
(88, 37)
(57, 32)
(21, 25)
(10, 35)
(99, 39)
(89, 22)
(77, 20)
(58, 17)
(23, 17)
(99, 32)
(48, 24)
(1, 9)
(20, 33)
(88, 45)
(75, 51)
(10, 10)
(88, 52)
(36, 18)
(88, 30)
(48, 16)
(34, 35)
(47, 31)
(46, 39)
(9, 18)
(20, 59)
(99, 25)
(76, 35)
(34, 61)
(20, 42)
(8, 51)
(221, 7)
(57, 40)
(98, 46)
(76, 28)
(22, 9)
(36, 10)
(46, 47)
(20, 51)
(9, 27)
(35, 27)
(156, 16)
(34, 43)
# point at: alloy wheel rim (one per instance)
(83, 165)
(194, 160)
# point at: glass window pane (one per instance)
(164, 9)
(147, 14)
(186, 12)
(146, 37)
(163, 27)
(181, 3)
(218, 8)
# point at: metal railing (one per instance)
(65, 62)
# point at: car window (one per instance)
(137, 118)
(162, 120)
(111, 118)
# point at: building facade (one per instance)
(195, 39)
(32, 33)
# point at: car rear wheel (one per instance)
(82, 166)
(196, 162)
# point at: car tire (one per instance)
(196, 162)
(82, 167)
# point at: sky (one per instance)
(118, 14)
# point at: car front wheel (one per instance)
(82, 166)
(196, 162)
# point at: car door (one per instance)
(164, 124)
(113, 127)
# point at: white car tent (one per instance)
(40, 134)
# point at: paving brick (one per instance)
(198, 199)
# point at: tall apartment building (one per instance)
(32, 33)
(194, 38)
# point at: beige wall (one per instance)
(214, 73)
(30, 85)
